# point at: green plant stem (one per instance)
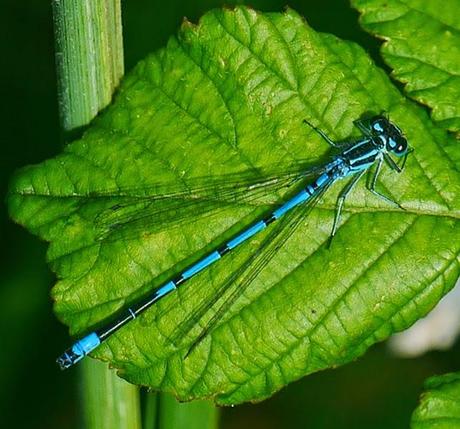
(89, 57)
(150, 410)
(191, 415)
(108, 401)
(163, 411)
(89, 61)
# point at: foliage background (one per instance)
(378, 391)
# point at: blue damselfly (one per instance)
(379, 141)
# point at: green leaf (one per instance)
(439, 406)
(227, 97)
(422, 46)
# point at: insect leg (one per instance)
(361, 125)
(377, 193)
(322, 134)
(340, 202)
(392, 164)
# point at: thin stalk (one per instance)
(89, 61)
(89, 57)
(108, 401)
(191, 415)
(150, 410)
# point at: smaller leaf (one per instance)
(439, 406)
(422, 45)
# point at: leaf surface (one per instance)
(439, 406)
(226, 98)
(422, 46)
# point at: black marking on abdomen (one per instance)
(223, 250)
(269, 219)
(178, 281)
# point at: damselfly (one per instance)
(379, 141)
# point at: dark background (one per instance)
(378, 391)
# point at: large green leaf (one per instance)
(439, 406)
(422, 46)
(225, 97)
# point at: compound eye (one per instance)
(400, 147)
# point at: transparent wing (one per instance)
(166, 205)
(236, 284)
